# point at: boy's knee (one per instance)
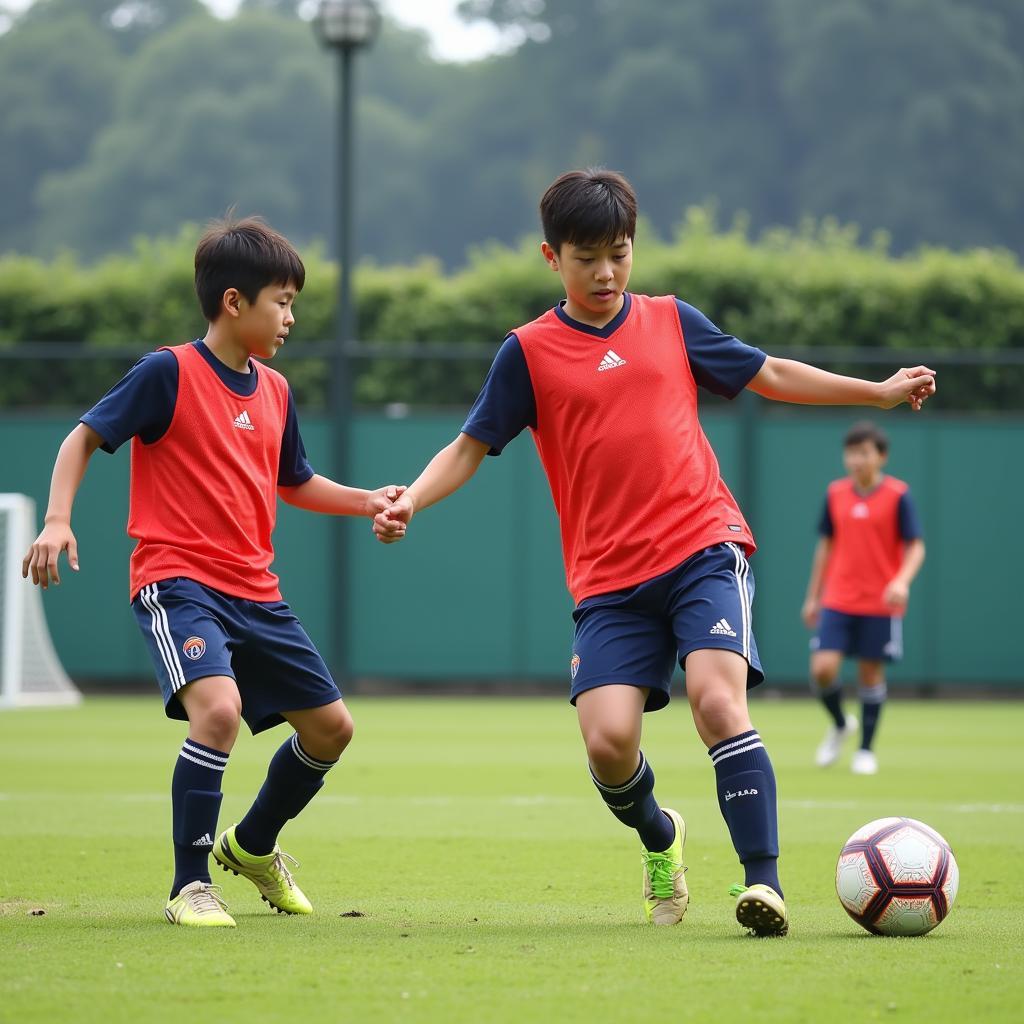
(612, 749)
(824, 670)
(220, 722)
(719, 714)
(329, 735)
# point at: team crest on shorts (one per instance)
(574, 665)
(194, 648)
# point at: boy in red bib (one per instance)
(868, 554)
(655, 547)
(215, 442)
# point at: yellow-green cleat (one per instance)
(760, 909)
(268, 873)
(665, 893)
(199, 905)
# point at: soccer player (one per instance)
(655, 547)
(214, 442)
(868, 554)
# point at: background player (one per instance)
(867, 556)
(215, 440)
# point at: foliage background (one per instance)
(124, 119)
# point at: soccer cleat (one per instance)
(864, 763)
(665, 893)
(832, 745)
(268, 873)
(760, 909)
(199, 905)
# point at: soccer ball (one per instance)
(897, 876)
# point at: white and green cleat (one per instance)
(268, 873)
(199, 905)
(665, 893)
(760, 909)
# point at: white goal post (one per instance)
(30, 671)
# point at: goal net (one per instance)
(30, 671)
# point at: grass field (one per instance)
(492, 884)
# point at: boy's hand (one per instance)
(390, 523)
(897, 593)
(382, 498)
(914, 385)
(809, 613)
(41, 559)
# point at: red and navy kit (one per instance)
(637, 488)
(869, 532)
(210, 447)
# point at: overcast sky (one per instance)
(451, 38)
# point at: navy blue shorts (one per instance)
(870, 637)
(194, 631)
(635, 636)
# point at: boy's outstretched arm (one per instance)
(786, 380)
(319, 494)
(56, 536)
(446, 472)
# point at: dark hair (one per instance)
(591, 207)
(863, 431)
(244, 254)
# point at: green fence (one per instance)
(477, 590)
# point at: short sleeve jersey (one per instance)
(613, 413)
(869, 533)
(210, 446)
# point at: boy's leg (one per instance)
(825, 666)
(832, 640)
(871, 676)
(610, 721)
(716, 686)
(213, 707)
(295, 775)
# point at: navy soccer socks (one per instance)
(195, 804)
(293, 779)
(746, 795)
(871, 700)
(634, 805)
(832, 698)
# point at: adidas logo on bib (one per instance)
(722, 628)
(610, 361)
(243, 422)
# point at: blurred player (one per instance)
(868, 554)
(214, 441)
(655, 548)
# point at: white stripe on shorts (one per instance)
(741, 571)
(161, 631)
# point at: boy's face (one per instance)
(263, 325)
(594, 277)
(863, 462)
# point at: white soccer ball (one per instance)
(897, 876)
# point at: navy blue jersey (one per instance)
(906, 511)
(142, 402)
(506, 405)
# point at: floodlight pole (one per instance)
(341, 378)
(345, 26)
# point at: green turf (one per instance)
(493, 885)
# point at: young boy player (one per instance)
(214, 441)
(868, 554)
(655, 548)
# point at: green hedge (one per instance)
(812, 288)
